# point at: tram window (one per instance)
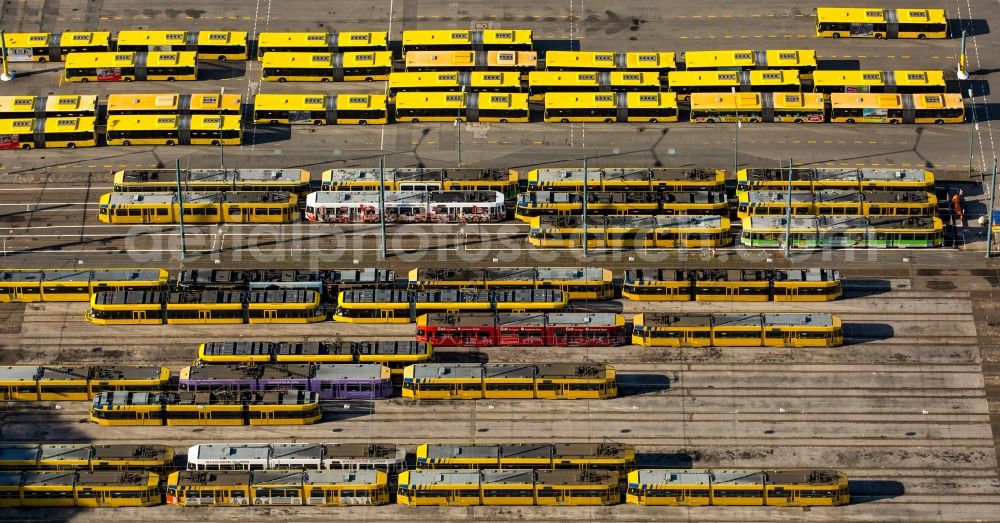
(234, 211)
(698, 334)
(508, 386)
(665, 334)
(162, 211)
(135, 212)
(118, 494)
(507, 493)
(664, 493)
(471, 386)
(724, 334)
(547, 386)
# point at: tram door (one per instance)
(204, 316)
(138, 316)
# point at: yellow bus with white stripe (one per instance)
(867, 22)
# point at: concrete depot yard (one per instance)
(908, 407)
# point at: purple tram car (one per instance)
(331, 381)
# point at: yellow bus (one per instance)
(801, 60)
(48, 106)
(119, 66)
(38, 133)
(205, 103)
(686, 82)
(470, 81)
(45, 47)
(320, 109)
(326, 67)
(210, 45)
(468, 60)
(757, 107)
(897, 108)
(475, 40)
(610, 107)
(870, 22)
(467, 107)
(322, 42)
(878, 82)
(660, 62)
(162, 129)
(541, 82)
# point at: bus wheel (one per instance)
(25, 146)
(274, 122)
(939, 121)
(836, 35)
(415, 120)
(215, 143)
(653, 120)
(369, 79)
(41, 59)
(222, 58)
(71, 145)
(128, 79)
(878, 36)
(170, 142)
(850, 120)
(325, 80)
(921, 36)
(893, 121)
(503, 120)
(126, 142)
(362, 122)
(798, 120)
(84, 80)
(317, 122)
(608, 120)
(710, 120)
(754, 120)
(564, 120)
(281, 80)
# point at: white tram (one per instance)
(406, 206)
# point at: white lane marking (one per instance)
(253, 36)
(985, 104)
(381, 142)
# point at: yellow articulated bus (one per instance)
(757, 107)
(128, 66)
(737, 330)
(211, 207)
(659, 62)
(610, 107)
(896, 108)
(321, 42)
(326, 67)
(522, 61)
(186, 129)
(879, 82)
(522, 487)
(210, 45)
(468, 381)
(837, 22)
(91, 489)
(175, 104)
(320, 109)
(801, 60)
(468, 81)
(62, 105)
(41, 133)
(542, 82)
(704, 487)
(770, 80)
(467, 107)
(474, 40)
(45, 47)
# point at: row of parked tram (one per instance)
(229, 474)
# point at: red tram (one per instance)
(557, 329)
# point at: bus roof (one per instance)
(593, 78)
(877, 15)
(62, 124)
(53, 103)
(75, 38)
(734, 78)
(170, 103)
(26, 39)
(873, 77)
(755, 100)
(466, 37)
(895, 101)
(169, 121)
(323, 40)
(128, 59)
(222, 38)
(147, 37)
(746, 58)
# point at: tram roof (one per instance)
(523, 450)
(635, 222)
(214, 175)
(516, 274)
(451, 296)
(611, 174)
(620, 197)
(477, 371)
(398, 175)
(403, 197)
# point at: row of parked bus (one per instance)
(833, 22)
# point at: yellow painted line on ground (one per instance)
(744, 36)
(246, 18)
(217, 17)
(936, 57)
(891, 56)
(728, 36)
(841, 141)
(846, 56)
(858, 141)
(758, 36)
(872, 141)
(91, 166)
(862, 56)
(537, 141)
(119, 18)
(953, 166)
(695, 16)
(827, 141)
(706, 143)
(755, 16)
(711, 16)
(905, 56)
(60, 167)
(875, 164)
(683, 38)
(782, 141)
(906, 165)
(105, 18)
(108, 165)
